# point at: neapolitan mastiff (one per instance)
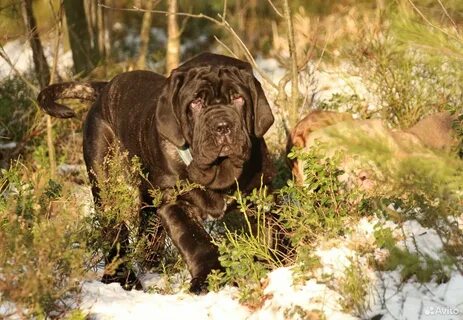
(211, 111)
(433, 133)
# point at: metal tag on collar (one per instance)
(185, 154)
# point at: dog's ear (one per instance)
(167, 121)
(262, 114)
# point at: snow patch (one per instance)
(20, 54)
(112, 302)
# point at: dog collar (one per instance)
(185, 154)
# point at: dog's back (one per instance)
(436, 131)
(312, 122)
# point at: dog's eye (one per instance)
(197, 104)
(238, 100)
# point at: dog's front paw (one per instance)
(198, 286)
(126, 278)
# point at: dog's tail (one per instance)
(88, 91)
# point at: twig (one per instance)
(225, 46)
(449, 17)
(224, 13)
(11, 65)
(184, 14)
(430, 23)
(275, 9)
(222, 23)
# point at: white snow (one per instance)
(286, 298)
(20, 54)
(112, 302)
(8, 145)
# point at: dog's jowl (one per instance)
(211, 109)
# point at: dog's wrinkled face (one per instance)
(216, 109)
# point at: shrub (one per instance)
(284, 228)
(248, 254)
(42, 255)
(115, 223)
(17, 112)
(354, 289)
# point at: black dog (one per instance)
(211, 111)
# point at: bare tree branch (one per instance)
(220, 22)
(224, 13)
(42, 71)
(230, 51)
(455, 27)
(432, 24)
(275, 9)
(7, 59)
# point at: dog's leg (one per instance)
(192, 241)
(98, 140)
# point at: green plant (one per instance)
(42, 254)
(248, 254)
(119, 225)
(318, 208)
(347, 103)
(424, 186)
(354, 288)
(409, 78)
(283, 229)
(115, 223)
(411, 263)
(17, 112)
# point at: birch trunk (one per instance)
(173, 38)
(145, 35)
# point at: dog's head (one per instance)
(213, 104)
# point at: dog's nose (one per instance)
(223, 128)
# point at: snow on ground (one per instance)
(112, 302)
(323, 82)
(20, 54)
(281, 296)
(284, 298)
(413, 300)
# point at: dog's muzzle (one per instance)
(222, 131)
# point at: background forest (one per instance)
(351, 254)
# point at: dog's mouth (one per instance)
(220, 160)
(225, 151)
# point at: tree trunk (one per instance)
(41, 69)
(173, 38)
(293, 112)
(145, 35)
(40, 63)
(108, 25)
(101, 32)
(92, 14)
(84, 53)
